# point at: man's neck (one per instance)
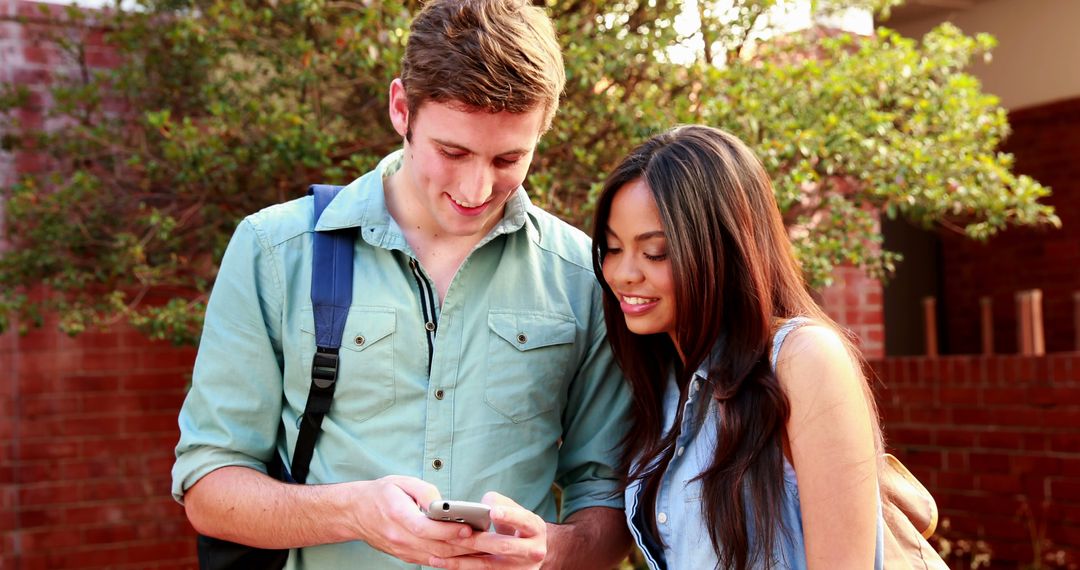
(440, 255)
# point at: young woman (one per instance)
(755, 441)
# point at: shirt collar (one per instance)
(362, 203)
(702, 371)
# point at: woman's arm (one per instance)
(831, 436)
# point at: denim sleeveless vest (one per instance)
(687, 545)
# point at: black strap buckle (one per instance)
(324, 367)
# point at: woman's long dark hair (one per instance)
(734, 276)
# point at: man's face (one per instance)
(460, 167)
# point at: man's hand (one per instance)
(519, 540)
(390, 520)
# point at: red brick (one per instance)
(38, 339)
(1061, 370)
(38, 54)
(111, 512)
(955, 438)
(909, 396)
(154, 381)
(1042, 466)
(928, 415)
(1001, 440)
(101, 490)
(74, 426)
(989, 463)
(1065, 490)
(958, 480)
(927, 371)
(35, 12)
(962, 396)
(911, 436)
(97, 340)
(45, 449)
(1074, 366)
(1063, 442)
(172, 359)
(1063, 418)
(103, 58)
(1019, 416)
(1004, 395)
(111, 362)
(1069, 396)
(1068, 534)
(46, 364)
(964, 417)
(48, 539)
(160, 422)
(110, 534)
(111, 402)
(100, 468)
(50, 494)
(89, 383)
(1005, 484)
(1004, 528)
(957, 459)
(34, 405)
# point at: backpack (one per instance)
(331, 295)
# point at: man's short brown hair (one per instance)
(487, 55)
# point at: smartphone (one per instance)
(476, 515)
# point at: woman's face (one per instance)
(636, 266)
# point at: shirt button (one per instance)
(522, 339)
(680, 451)
(437, 464)
(430, 326)
(439, 394)
(661, 518)
(359, 340)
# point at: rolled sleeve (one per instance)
(232, 412)
(594, 425)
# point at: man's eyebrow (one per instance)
(467, 149)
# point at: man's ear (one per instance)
(399, 107)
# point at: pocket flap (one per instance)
(364, 326)
(529, 330)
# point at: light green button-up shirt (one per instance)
(471, 395)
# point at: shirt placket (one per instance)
(438, 428)
(682, 442)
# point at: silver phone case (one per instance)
(476, 515)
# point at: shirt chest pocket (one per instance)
(365, 385)
(530, 357)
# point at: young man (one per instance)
(474, 363)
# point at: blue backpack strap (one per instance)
(331, 296)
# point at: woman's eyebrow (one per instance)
(649, 235)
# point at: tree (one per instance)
(221, 108)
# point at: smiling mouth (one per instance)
(638, 300)
(467, 205)
(466, 209)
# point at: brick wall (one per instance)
(855, 302)
(87, 425)
(986, 435)
(1046, 144)
(86, 437)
